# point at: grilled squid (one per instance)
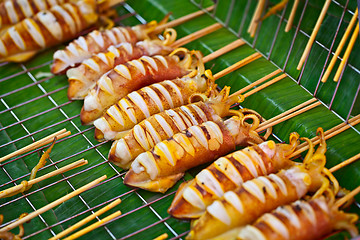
(164, 125)
(229, 172)
(45, 29)
(84, 77)
(151, 100)
(99, 41)
(309, 220)
(263, 194)
(131, 76)
(160, 168)
(13, 11)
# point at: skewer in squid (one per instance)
(133, 75)
(229, 172)
(13, 11)
(263, 194)
(160, 168)
(84, 77)
(153, 99)
(164, 125)
(302, 219)
(98, 41)
(45, 29)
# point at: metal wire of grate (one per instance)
(25, 71)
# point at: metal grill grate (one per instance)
(26, 121)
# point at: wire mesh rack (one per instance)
(33, 105)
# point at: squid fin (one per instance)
(161, 184)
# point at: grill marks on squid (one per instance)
(280, 223)
(161, 127)
(266, 193)
(122, 75)
(95, 42)
(237, 167)
(14, 11)
(171, 151)
(262, 188)
(45, 29)
(144, 103)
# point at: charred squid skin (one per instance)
(154, 99)
(230, 172)
(45, 29)
(196, 145)
(124, 79)
(172, 157)
(14, 11)
(300, 220)
(145, 102)
(158, 128)
(84, 77)
(99, 41)
(266, 193)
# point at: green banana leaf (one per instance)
(41, 102)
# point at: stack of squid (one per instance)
(165, 115)
(29, 26)
(259, 193)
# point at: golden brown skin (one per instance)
(84, 77)
(131, 139)
(7, 16)
(253, 208)
(189, 149)
(12, 49)
(327, 218)
(274, 158)
(123, 86)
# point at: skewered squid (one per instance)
(302, 219)
(164, 125)
(263, 194)
(98, 41)
(45, 29)
(151, 100)
(160, 168)
(13, 11)
(229, 172)
(83, 78)
(133, 75)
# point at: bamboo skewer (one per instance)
(52, 205)
(66, 168)
(347, 53)
(237, 65)
(182, 20)
(292, 16)
(196, 35)
(348, 196)
(267, 124)
(340, 47)
(87, 219)
(328, 134)
(345, 163)
(257, 82)
(256, 17)
(46, 140)
(223, 50)
(288, 111)
(93, 226)
(313, 34)
(282, 76)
